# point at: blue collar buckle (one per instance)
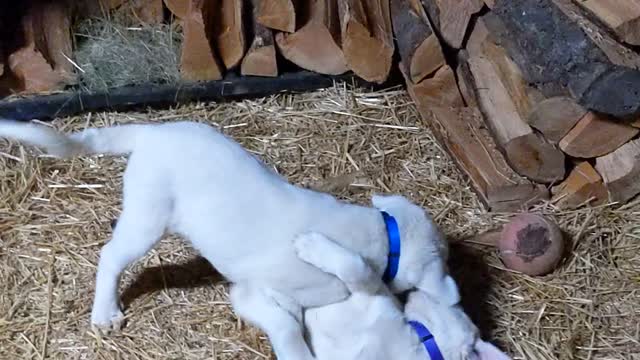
(427, 339)
(393, 234)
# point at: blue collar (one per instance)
(427, 339)
(393, 234)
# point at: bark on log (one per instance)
(451, 18)
(622, 17)
(557, 47)
(620, 171)
(418, 46)
(596, 135)
(278, 14)
(198, 60)
(506, 100)
(367, 38)
(229, 32)
(260, 59)
(583, 186)
(316, 45)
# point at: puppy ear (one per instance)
(487, 351)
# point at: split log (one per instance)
(260, 59)
(506, 100)
(316, 45)
(583, 186)
(229, 32)
(52, 35)
(620, 171)
(596, 135)
(179, 8)
(198, 60)
(622, 17)
(451, 18)
(557, 47)
(463, 134)
(367, 38)
(439, 90)
(278, 14)
(554, 117)
(418, 46)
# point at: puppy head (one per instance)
(423, 251)
(456, 335)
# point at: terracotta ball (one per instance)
(531, 244)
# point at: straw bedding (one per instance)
(55, 215)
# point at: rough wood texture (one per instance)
(558, 48)
(506, 100)
(52, 34)
(622, 17)
(596, 135)
(316, 46)
(146, 11)
(198, 60)
(439, 90)
(462, 132)
(418, 46)
(260, 59)
(278, 14)
(367, 38)
(179, 8)
(583, 186)
(621, 171)
(229, 32)
(451, 18)
(554, 117)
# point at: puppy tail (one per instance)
(116, 140)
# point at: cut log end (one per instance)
(596, 135)
(229, 32)
(370, 58)
(535, 159)
(260, 61)
(554, 117)
(583, 186)
(198, 61)
(313, 48)
(620, 171)
(277, 14)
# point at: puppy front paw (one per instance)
(106, 324)
(309, 246)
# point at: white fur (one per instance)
(370, 323)
(187, 178)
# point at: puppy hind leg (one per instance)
(275, 314)
(140, 226)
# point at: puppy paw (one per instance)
(309, 248)
(107, 324)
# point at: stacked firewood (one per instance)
(534, 99)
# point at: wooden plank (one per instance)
(277, 14)
(367, 38)
(316, 45)
(620, 171)
(229, 33)
(260, 59)
(583, 186)
(596, 135)
(451, 18)
(198, 60)
(233, 87)
(622, 17)
(558, 48)
(418, 45)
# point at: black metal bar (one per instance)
(233, 87)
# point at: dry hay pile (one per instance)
(55, 215)
(112, 53)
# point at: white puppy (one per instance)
(370, 324)
(189, 179)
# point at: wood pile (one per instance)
(534, 99)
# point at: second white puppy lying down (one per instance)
(370, 324)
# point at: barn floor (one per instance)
(55, 215)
